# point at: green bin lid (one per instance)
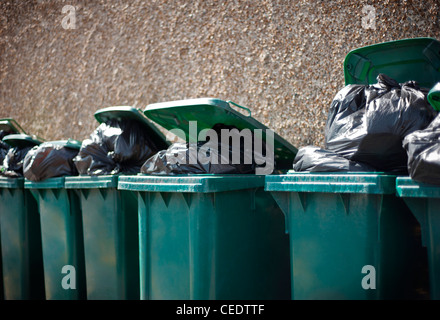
(126, 112)
(403, 60)
(91, 182)
(21, 140)
(208, 112)
(10, 125)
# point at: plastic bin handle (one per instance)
(434, 97)
(237, 105)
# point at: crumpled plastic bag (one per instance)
(115, 147)
(205, 157)
(367, 123)
(12, 166)
(423, 147)
(49, 160)
(315, 159)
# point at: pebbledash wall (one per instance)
(60, 61)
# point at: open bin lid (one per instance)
(21, 140)
(11, 126)
(208, 112)
(126, 112)
(403, 60)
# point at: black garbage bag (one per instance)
(423, 147)
(115, 147)
(12, 166)
(315, 159)
(205, 157)
(367, 123)
(49, 160)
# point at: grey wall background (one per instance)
(282, 59)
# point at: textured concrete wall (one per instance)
(282, 59)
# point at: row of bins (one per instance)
(281, 236)
(210, 236)
(292, 236)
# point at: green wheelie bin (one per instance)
(110, 225)
(351, 238)
(61, 235)
(209, 236)
(22, 263)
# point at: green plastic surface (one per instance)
(62, 239)
(406, 187)
(209, 238)
(22, 263)
(434, 97)
(338, 224)
(21, 140)
(408, 59)
(424, 202)
(110, 230)
(208, 112)
(11, 126)
(126, 112)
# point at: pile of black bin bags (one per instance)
(36, 163)
(120, 147)
(124, 147)
(383, 127)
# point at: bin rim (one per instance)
(91, 182)
(11, 183)
(50, 183)
(409, 188)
